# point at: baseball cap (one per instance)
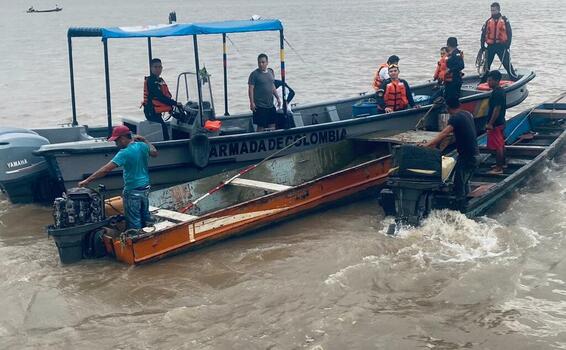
(120, 130)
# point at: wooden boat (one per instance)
(276, 190)
(32, 10)
(61, 157)
(532, 137)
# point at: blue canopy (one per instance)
(181, 29)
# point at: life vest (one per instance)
(158, 106)
(496, 31)
(440, 72)
(502, 83)
(377, 79)
(395, 95)
(448, 76)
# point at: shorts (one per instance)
(264, 117)
(495, 138)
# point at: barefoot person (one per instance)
(495, 126)
(261, 90)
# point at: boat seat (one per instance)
(170, 214)
(549, 113)
(268, 186)
(298, 119)
(333, 113)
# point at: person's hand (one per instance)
(388, 109)
(252, 106)
(139, 138)
(278, 102)
(489, 127)
(422, 144)
(83, 183)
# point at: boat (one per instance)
(416, 188)
(56, 9)
(277, 189)
(70, 154)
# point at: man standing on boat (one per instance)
(454, 67)
(461, 124)
(397, 93)
(155, 90)
(495, 126)
(382, 72)
(496, 36)
(261, 90)
(133, 157)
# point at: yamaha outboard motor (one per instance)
(79, 222)
(413, 185)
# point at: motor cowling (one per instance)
(78, 206)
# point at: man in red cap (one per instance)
(133, 157)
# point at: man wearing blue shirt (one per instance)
(133, 157)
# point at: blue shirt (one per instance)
(134, 160)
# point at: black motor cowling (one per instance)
(79, 222)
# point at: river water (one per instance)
(330, 280)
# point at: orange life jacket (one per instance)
(377, 80)
(440, 72)
(496, 31)
(448, 76)
(395, 95)
(159, 106)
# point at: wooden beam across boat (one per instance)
(268, 186)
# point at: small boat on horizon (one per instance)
(56, 9)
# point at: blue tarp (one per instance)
(181, 29)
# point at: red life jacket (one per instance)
(440, 72)
(496, 31)
(377, 80)
(395, 95)
(159, 106)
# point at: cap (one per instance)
(393, 59)
(120, 130)
(391, 66)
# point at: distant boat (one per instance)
(56, 9)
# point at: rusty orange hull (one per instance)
(249, 215)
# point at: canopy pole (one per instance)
(107, 77)
(72, 78)
(282, 58)
(199, 87)
(225, 63)
(149, 54)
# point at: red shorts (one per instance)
(495, 138)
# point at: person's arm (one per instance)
(155, 92)
(276, 95)
(251, 87)
(437, 71)
(496, 110)
(290, 94)
(99, 173)
(441, 136)
(509, 32)
(409, 94)
(152, 150)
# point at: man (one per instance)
(133, 157)
(461, 123)
(155, 90)
(261, 91)
(283, 121)
(496, 36)
(495, 126)
(382, 73)
(454, 67)
(397, 93)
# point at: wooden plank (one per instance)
(549, 113)
(158, 226)
(171, 215)
(268, 186)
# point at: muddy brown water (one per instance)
(329, 280)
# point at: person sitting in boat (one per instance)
(380, 101)
(454, 67)
(461, 124)
(155, 90)
(495, 126)
(397, 93)
(283, 121)
(133, 156)
(440, 71)
(382, 74)
(261, 90)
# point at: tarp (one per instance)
(182, 29)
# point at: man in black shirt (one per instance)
(495, 126)
(461, 123)
(454, 67)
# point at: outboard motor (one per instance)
(79, 222)
(417, 184)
